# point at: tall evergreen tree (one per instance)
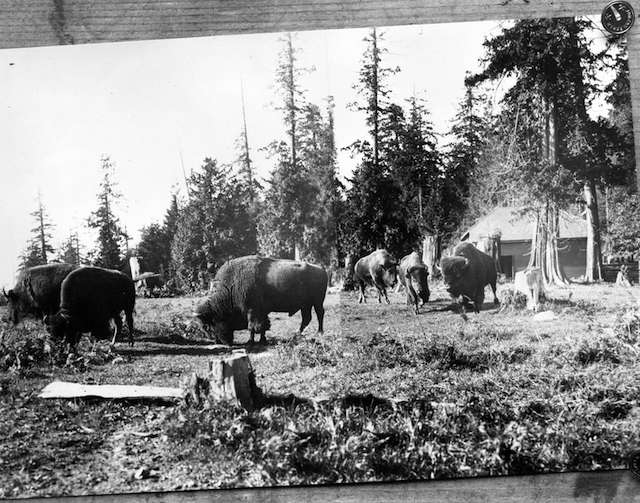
(110, 234)
(215, 225)
(39, 246)
(318, 158)
(70, 250)
(369, 221)
(547, 109)
(154, 248)
(288, 197)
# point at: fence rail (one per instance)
(610, 271)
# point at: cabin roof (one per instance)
(514, 224)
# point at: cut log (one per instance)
(60, 389)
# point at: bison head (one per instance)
(420, 275)
(389, 273)
(58, 325)
(215, 322)
(454, 274)
(17, 308)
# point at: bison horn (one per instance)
(5, 293)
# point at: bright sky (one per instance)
(146, 103)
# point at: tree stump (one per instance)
(229, 379)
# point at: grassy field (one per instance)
(406, 397)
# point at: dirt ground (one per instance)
(569, 387)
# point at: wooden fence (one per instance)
(610, 271)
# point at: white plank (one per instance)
(60, 389)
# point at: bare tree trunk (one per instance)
(430, 253)
(349, 265)
(594, 256)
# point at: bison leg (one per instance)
(129, 317)
(412, 297)
(320, 315)
(382, 291)
(363, 298)
(495, 297)
(118, 329)
(479, 300)
(306, 318)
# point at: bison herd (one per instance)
(73, 300)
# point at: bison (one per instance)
(467, 272)
(37, 291)
(377, 268)
(413, 275)
(247, 289)
(90, 297)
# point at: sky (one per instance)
(156, 106)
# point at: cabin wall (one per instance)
(572, 254)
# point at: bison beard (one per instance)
(247, 289)
(414, 272)
(467, 273)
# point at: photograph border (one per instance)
(62, 22)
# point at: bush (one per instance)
(627, 326)
(23, 346)
(601, 349)
(510, 298)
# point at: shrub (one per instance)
(627, 326)
(598, 349)
(23, 346)
(510, 298)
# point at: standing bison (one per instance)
(89, 299)
(467, 272)
(37, 291)
(377, 268)
(413, 275)
(247, 289)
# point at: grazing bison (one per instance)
(37, 291)
(413, 275)
(247, 289)
(377, 268)
(89, 299)
(467, 272)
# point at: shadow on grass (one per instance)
(290, 400)
(195, 348)
(175, 340)
(455, 308)
(173, 350)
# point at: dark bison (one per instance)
(247, 289)
(413, 275)
(37, 291)
(90, 298)
(467, 272)
(379, 269)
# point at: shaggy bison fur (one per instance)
(37, 291)
(90, 298)
(247, 289)
(467, 272)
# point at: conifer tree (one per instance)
(110, 234)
